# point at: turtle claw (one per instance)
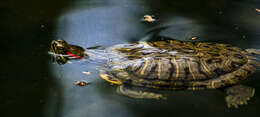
(238, 95)
(235, 101)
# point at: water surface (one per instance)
(47, 89)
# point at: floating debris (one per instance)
(82, 83)
(86, 72)
(42, 26)
(149, 18)
(194, 38)
(258, 10)
(243, 36)
(220, 12)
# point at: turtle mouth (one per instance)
(58, 51)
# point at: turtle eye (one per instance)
(58, 44)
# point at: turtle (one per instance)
(170, 64)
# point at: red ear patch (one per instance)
(74, 56)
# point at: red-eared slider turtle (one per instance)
(171, 65)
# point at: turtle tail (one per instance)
(255, 56)
(253, 51)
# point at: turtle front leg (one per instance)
(238, 95)
(126, 91)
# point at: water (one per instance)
(33, 86)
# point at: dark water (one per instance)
(33, 86)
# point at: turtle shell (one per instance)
(174, 64)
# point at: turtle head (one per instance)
(61, 51)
